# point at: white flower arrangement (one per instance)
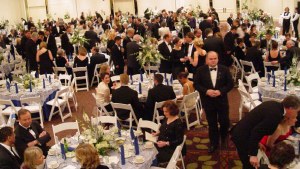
(4, 24)
(67, 15)
(294, 75)
(78, 39)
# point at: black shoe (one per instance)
(212, 149)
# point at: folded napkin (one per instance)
(135, 142)
(141, 76)
(140, 88)
(122, 155)
(62, 149)
(16, 86)
(8, 85)
(30, 86)
(69, 167)
(44, 85)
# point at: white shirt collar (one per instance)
(6, 146)
(23, 126)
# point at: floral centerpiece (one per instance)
(104, 38)
(4, 24)
(148, 13)
(27, 78)
(78, 39)
(19, 26)
(294, 75)
(94, 134)
(89, 17)
(67, 15)
(149, 54)
(254, 14)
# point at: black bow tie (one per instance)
(29, 128)
(190, 44)
(211, 69)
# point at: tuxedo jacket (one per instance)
(255, 56)
(51, 45)
(204, 25)
(186, 49)
(132, 52)
(117, 56)
(165, 64)
(57, 33)
(94, 60)
(229, 41)
(263, 44)
(66, 45)
(31, 50)
(140, 29)
(126, 95)
(203, 82)
(92, 39)
(7, 160)
(23, 137)
(125, 41)
(213, 43)
(261, 121)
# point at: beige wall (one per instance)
(13, 10)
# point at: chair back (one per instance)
(65, 126)
(81, 73)
(127, 107)
(105, 120)
(33, 101)
(65, 79)
(148, 124)
(270, 65)
(192, 102)
(101, 107)
(247, 64)
(265, 99)
(9, 103)
(173, 161)
(60, 70)
(250, 78)
(115, 78)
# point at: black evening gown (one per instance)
(173, 133)
(46, 64)
(177, 65)
(80, 63)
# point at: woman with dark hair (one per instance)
(177, 57)
(103, 91)
(188, 87)
(273, 56)
(253, 29)
(170, 133)
(281, 156)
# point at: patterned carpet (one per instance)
(197, 156)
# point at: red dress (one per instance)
(264, 140)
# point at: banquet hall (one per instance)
(149, 84)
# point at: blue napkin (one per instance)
(71, 149)
(119, 129)
(171, 79)
(30, 86)
(122, 155)
(46, 74)
(36, 74)
(49, 79)
(167, 82)
(8, 58)
(44, 85)
(13, 53)
(140, 88)
(285, 71)
(62, 149)
(16, 86)
(165, 75)
(131, 79)
(269, 76)
(132, 133)
(273, 75)
(135, 142)
(141, 76)
(8, 85)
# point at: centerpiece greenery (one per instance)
(78, 39)
(4, 24)
(67, 15)
(294, 75)
(254, 14)
(89, 17)
(27, 78)
(94, 134)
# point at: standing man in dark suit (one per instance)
(213, 82)
(126, 95)
(206, 23)
(96, 58)
(230, 19)
(25, 37)
(261, 121)
(212, 43)
(165, 49)
(229, 44)
(30, 51)
(92, 37)
(51, 42)
(29, 133)
(158, 93)
(65, 42)
(139, 27)
(127, 39)
(57, 30)
(189, 49)
(295, 21)
(133, 48)
(9, 158)
(117, 56)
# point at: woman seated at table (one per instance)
(273, 56)
(44, 58)
(170, 133)
(33, 158)
(61, 60)
(188, 86)
(103, 92)
(282, 132)
(88, 157)
(81, 60)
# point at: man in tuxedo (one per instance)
(155, 26)
(158, 93)
(189, 49)
(133, 48)
(139, 27)
(96, 58)
(288, 37)
(51, 42)
(229, 44)
(57, 30)
(230, 19)
(267, 42)
(117, 56)
(30, 133)
(25, 37)
(165, 49)
(292, 51)
(212, 43)
(206, 23)
(213, 82)
(127, 39)
(9, 158)
(65, 42)
(30, 51)
(92, 37)
(126, 95)
(261, 121)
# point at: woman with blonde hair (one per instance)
(44, 58)
(33, 158)
(198, 58)
(88, 157)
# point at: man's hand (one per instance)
(210, 92)
(182, 60)
(42, 134)
(162, 143)
(254, 161)
(217, 93)
(32, 143)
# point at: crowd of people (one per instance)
(197, 49)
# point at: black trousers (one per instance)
(295, 25)
(242, 150)
(285, 26)
(217, 114)
(119, 70)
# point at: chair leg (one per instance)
(60, 113)
(182, 161)
(187, 120)
(52, 111)
(41, 118)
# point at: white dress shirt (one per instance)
(10, 149)
(191, 45)
(30, 130)
(213, 75)
(169, 46)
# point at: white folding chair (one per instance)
(59, 70)
(101, 107)
(65, 79)
(63, 127)
(115, 78)
(262, 157)
(10, 109)
(157, 107)
(137, 77)
(34, 105)
(181, 157)
(18, 70)
(254, 96)
(270, 65)
(237, 67)
(60, 104)
(148, 124)
(96, 74)
(173, 161)
(246, 102)
(249, 79)
(187, 108)
(71, 94)
(131, 114)
(77, 78)
(265, 99)
(104, 119)
(246, 64)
